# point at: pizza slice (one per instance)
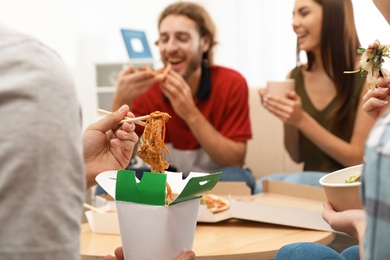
(214, 203)
(163, 71)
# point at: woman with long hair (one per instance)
(324, 125)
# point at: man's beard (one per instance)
(194, 64)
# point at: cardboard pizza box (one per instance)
(207, 216)
(231, 188)
(226, 190)
(284, 204)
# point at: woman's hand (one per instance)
(262, 93)
(376, 101)
(350, 221)
(289, 109)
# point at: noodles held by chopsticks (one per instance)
(151, 149)
(153, 144)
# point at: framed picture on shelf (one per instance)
(136, 44)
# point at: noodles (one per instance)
(151, 149)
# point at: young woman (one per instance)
(324, 125)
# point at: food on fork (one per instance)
(152, 146)
(371, 62)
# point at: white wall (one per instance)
(255, 35)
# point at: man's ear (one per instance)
(205, 42)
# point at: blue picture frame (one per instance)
(136, 44)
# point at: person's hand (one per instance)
(289, 109)
(376, 101)
(262, 93)
(108, 145)
(187, 255)
(132, 83)
(350, 221)
(179, 93)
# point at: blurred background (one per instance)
(255, 37)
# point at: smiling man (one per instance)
(210, 124)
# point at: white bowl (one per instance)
(341, 195)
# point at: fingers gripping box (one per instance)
(146, 221)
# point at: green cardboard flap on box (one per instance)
(151, 190)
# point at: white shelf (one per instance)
(106, 76)
(107, 89)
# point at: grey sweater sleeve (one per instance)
(42, 178)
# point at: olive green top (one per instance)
(313, 157)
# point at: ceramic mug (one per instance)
(280, 87)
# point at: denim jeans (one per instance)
(307, 178)
(239, 174)
(307, 250)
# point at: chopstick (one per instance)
(136, 120)
(87, 206)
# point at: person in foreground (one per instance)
(209, 107)
(371, 226)
(324, 125)
(46, 161)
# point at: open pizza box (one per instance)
(145, 218)
(225, 190)
(280, 203)
(286, 204)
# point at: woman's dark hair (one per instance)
(339, 44)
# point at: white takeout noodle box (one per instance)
(149, 228)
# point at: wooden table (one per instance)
(228, 240)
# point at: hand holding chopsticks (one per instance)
(136, 120)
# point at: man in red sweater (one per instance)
(210, 125)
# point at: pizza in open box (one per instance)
(214, 203)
